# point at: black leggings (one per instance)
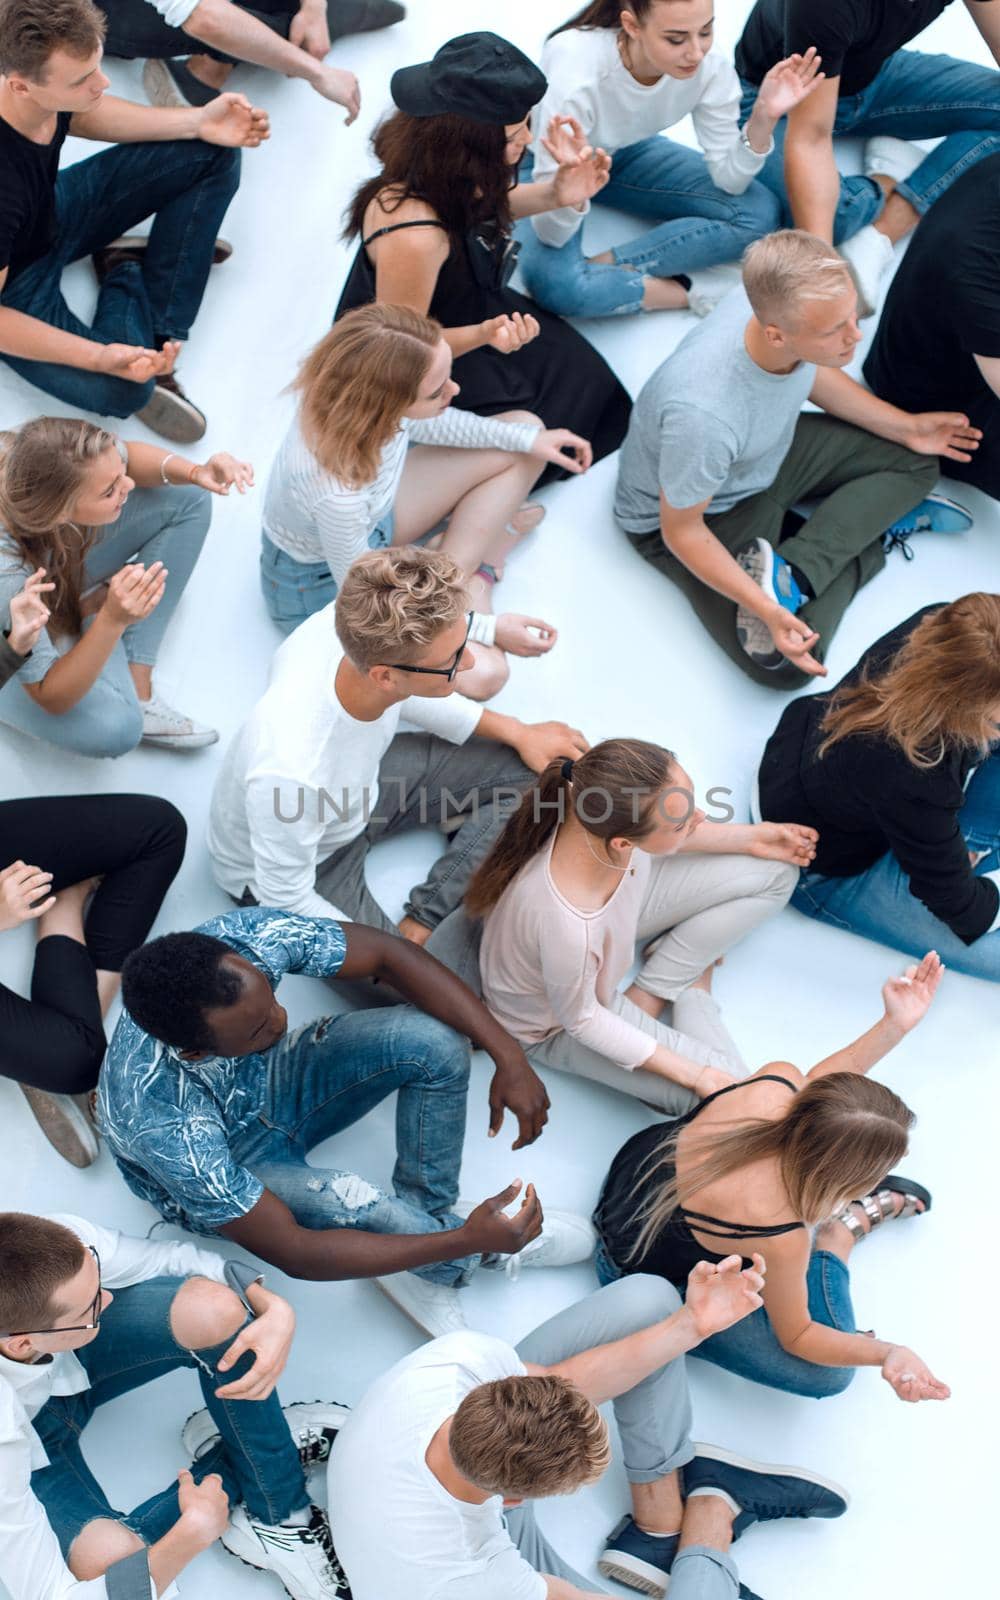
(56, 1039)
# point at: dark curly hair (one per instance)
(169, 984)
(456, 166)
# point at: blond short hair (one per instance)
(394, 603)
(786, 269)
(529, 1436)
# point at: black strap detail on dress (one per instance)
(394, 227)
(717, 1228)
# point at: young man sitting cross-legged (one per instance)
(68, 1345)
(431, 1480)
(180, 167)
(211, 1107)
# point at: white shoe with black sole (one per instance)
(302, 1558)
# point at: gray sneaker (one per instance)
(65, 1126)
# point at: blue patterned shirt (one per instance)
(169, 1123)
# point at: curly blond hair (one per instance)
(394, 603)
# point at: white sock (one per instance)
(720, 1494)
(295, 1519)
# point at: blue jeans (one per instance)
(167, 525)
(878, 904)
(254, 1454)
(751, 1348)
(322, 1079)
(294, 590)
(913, 96)
(699, 225)
(186, 186)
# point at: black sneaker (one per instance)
(363, 16)
(764, 1493)
(171, 414)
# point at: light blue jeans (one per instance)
(698, 225)
(167, 525)
(322, 1079)
(751, 1348)
(878, 904)
(913, 96)
(294, 590)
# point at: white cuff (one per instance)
(484, 628)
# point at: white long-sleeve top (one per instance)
(547, 966)
(312, 516)
(589, 81)
(301, 778)
(31, 1562)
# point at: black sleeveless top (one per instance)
(674, 1251)
(558, 376)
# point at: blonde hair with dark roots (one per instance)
(839, 1137)
(393, 603)
(941, 688)
(785, 269)
(525, 1437)
(42, 467)
(357, 383)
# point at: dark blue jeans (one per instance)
(254, 1454)
(913, 96)
(751, 1348)
(186, 186)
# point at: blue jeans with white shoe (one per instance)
(254, 1454)
(878, 904)
(698, 225)
(294, 590)
(914, 95)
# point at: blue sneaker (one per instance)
(936, 514)
(637, 1559)
(763, 1493)
(761, 562)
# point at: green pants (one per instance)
(863, 484)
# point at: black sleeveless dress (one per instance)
(674, 1251)
(559, 376)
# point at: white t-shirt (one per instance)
(174, 12)
(397, 1530)
(589, 81)
(301, 778)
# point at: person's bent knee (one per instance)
(645, 1298)
(204, 1314)
(823, 1382)
(780, 880)
(487, 677)
(444, 1052)
(525, 418)
(104, 736)
(99, 1545)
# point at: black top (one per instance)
(866, 798)
(943, 307)
(558, 376)
(674, 1251)
(28, 195)
(854, 37)
(10, 661)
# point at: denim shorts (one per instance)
(294, 590)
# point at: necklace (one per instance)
(610, 864)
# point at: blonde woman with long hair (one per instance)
(377, 455)
(898, 769)
(805, 1164)
(117, 528)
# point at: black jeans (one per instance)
(136, 29)
(56, 1039)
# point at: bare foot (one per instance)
(213, 74)
(705, 980)
(66, 916)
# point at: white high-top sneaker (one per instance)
(434, 1307)
(303, 1558)
(313, 1425)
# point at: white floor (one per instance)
(631, 660)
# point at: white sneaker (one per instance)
(886, 157)
(566, 1238)
(869, 256)
(302, 1558)
(172, 730)
(313, 1425)
(709, 285)
(434, 1307)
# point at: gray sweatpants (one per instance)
(654, 1424)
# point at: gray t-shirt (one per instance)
(709, 424)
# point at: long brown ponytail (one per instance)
(613, 791)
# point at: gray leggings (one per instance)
(654, 1424)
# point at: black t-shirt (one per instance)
(854, 37)
(943, 307)
(27, 195)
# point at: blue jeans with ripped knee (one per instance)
(322, 1079)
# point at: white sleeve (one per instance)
(453, 718)
(344, 519)
(716, 120)
(465, 431)
(556, 228)
(126, 1259)
(174, 12)
(31, 1562)
(286, 854)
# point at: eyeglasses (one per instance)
(79, 1327)
(438, 672)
